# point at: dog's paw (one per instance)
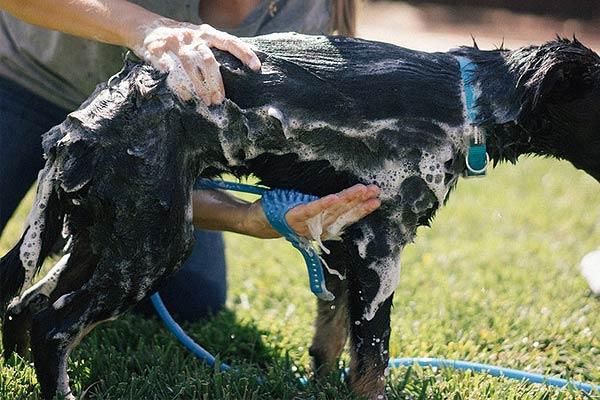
(15, 333)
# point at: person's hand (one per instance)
(334, 213)
(183, 50)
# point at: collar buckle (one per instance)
(477, 158)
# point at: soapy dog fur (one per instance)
(323, 114)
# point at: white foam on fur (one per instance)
(389, 178)
(390, 175)
(48, 283)
(457, 135)
(61, 301)
(31, 247)
(332, 271)
(388, 270)
(433, 171)
(275, 113)
(361, 244)
(367, 128)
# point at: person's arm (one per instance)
(216, 210)
(110, 21)
(168, 45)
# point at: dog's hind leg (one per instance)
(58, 328)
(17, 320)
(331, 324)
(67, 275)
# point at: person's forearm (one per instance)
(116, 22)
(179, 48)
(217, 210)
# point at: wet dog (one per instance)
(323, 114)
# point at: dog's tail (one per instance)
(44, 227)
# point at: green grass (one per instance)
(495, 280)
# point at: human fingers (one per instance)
(190, 61)
(348, 200)
(358, 190)
(297, 217)
(209, 68)
(232, 44)
(357, 213)
(373, 191)
(334, 228)
(333, 204)
(350, 204)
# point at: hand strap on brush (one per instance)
(276, 203)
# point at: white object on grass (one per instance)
(590, 268)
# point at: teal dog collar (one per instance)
(477, 158)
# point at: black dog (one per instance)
(324, 113)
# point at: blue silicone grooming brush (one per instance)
(276, 203)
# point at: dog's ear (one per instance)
(561, 82)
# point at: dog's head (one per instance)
(562, 102)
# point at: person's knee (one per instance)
(199, 288)
(206, 303)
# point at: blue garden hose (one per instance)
(492, 370)
(180, 334)
(209, 359)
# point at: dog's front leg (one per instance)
(331, 324)
(372, 279)
(369, 343)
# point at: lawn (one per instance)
(496, 280)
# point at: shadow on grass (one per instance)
(137, 358)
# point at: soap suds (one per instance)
(388, 270)
(331, 270)
(389, 177)
(315, 227)
(61, 301)
(178, 79)
(48, 283)
(275, 113)
(432, 169)
(31, 247)
(361, 244)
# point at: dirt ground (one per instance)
(439, 28)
